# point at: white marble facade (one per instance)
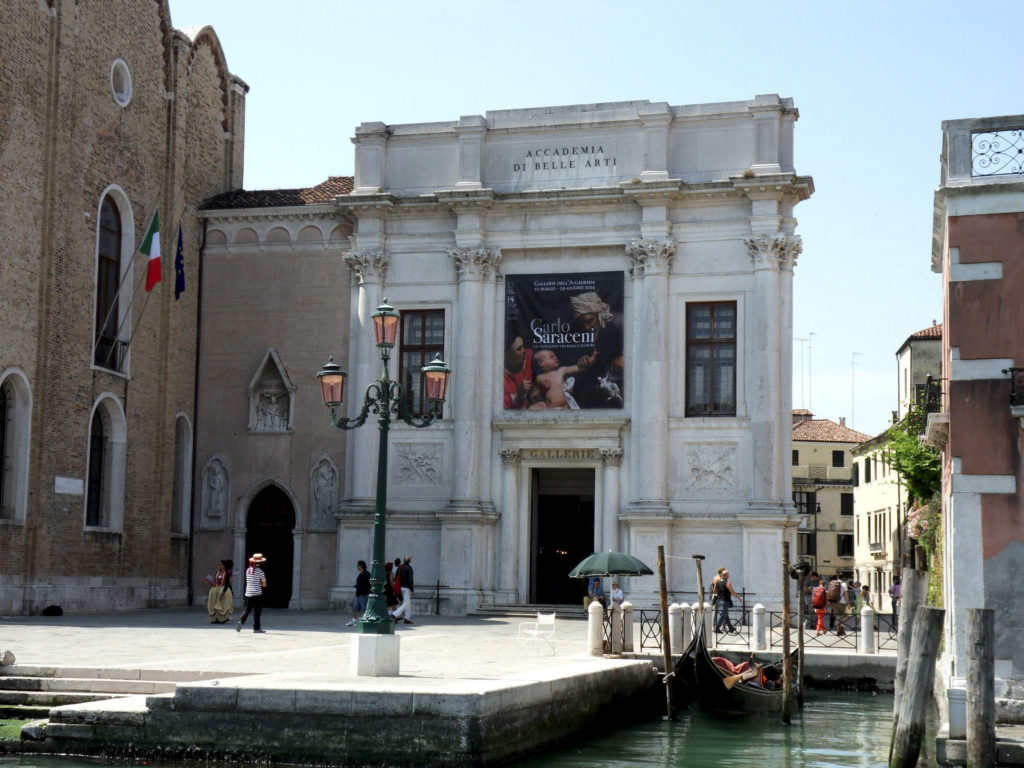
(690, 204)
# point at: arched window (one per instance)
(6, 460)
(15, 412)
(181, 504)
(104, 492)
(94, 490)
(109, 352)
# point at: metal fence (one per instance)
(884, 631)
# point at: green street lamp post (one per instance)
(386, 398)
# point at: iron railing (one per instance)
(884, 632)
(997, 153)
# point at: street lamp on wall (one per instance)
(385, 398)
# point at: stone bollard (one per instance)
(616, 628)
(627, 627)
(595, 629)
(759, 637)
(866, 639)
(687, 621)
(675, 627)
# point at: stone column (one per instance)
(610, 529)
(763, 374)
(369, 268)
(508, 549)
(651, 262)
(472, 266)
(790, 247)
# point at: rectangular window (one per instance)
(711, 359)
(867, 470)
(796, 458)
(422, 340)
(838, 459)
(805, 545)
(844, 544)
(846, 504)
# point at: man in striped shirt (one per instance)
(255, 582)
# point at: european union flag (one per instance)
(179, 268)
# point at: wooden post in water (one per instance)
(787, 667)
(981, 694)
(910, 724)
(801, 618)
(666, 639)
(913, 592)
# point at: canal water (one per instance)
(833, 730)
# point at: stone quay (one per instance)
(468, 692)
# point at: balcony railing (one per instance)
(997, 153)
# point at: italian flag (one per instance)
(151, 247)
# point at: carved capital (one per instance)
(791, 246)
(650, 256)
(612, 456)
(367, 264)
(474, 263)
(509, 456)
(777, 250)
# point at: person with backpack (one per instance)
(819, 603)
(810, 583)
(836, 606)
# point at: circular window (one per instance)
(121, 82)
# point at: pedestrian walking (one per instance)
(724, 593)
(255, 583)
(362, 593)
(819, 602)
(837, 606)
(405, 582)
(810, 582)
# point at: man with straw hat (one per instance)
(255, 583)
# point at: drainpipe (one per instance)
(195, 415)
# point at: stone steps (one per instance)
(45, 687)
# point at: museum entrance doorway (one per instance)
(268, 529)
(561, 533)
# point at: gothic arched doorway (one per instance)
(269, 525)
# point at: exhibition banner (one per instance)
(564, 341)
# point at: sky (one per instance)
(873, 82)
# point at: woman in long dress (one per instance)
(220, 603)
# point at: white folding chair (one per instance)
(541, 629)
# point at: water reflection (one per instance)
(834, 730)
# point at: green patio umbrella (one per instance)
(609, 564)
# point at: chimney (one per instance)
(842, 421)
(801, 414)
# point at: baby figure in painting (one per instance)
(553, 382)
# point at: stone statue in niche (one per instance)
(271, 394)
(272, 412)
(323, 491)
(215, 490)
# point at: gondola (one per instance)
(698, 680)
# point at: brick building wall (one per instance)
(67, 142)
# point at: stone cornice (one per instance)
(469, 198)
(323, 211)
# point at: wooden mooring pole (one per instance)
(787, 667)
(981, 694)
(914, 592)
(666, 640)
(917, 690)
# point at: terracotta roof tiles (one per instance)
(826, 431)
(277, 198)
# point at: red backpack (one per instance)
(819, 597)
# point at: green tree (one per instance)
(919, 465)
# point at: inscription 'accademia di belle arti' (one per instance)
(564, 159)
